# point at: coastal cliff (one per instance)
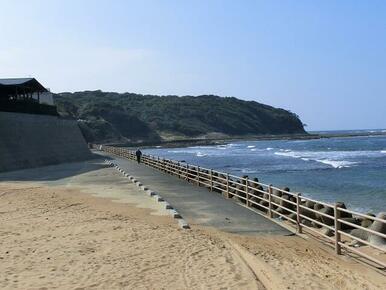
(128, 117)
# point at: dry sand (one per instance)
(297, 263)
(52, 237)
(62, 237)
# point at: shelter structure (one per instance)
(21, 89)
(25, 95)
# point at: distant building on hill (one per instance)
(25, 95)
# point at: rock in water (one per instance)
(264, 202)
(366, 222)
(318, 207)
(327, 232)
(329, 211)
(345, 227)
(342, 213)
(293, 216)
(361, 234)
(379, 227)
(284, 205)
(310, 204)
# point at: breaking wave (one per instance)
(248, 171)
(181, 151)
(335, 159)
(337, 164)
(285, 150)
(222, 147)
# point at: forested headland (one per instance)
(130, 118)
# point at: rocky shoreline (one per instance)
(314, 214)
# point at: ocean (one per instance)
(348, 169)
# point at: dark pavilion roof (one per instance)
(27, 84)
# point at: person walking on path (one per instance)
(138, 153)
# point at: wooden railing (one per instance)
(332, 223)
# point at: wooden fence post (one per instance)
(198, 175)
(227, 194)
(298, 218)
(270, 201)
(178, 169)
(211, 180)
(247, 190)
(337, 226)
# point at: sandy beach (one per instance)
(59, 238)
(66, 237)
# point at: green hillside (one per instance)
(105, 116)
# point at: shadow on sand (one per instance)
(55, 172)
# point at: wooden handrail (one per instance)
(244, 189)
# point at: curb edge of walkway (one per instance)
(153, 194)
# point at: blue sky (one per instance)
(324, 60)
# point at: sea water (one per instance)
(352, 169)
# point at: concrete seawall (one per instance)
(28, 141)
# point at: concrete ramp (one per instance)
(28, 141)
(199, 206)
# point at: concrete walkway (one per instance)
(199, 206)
(94, 177)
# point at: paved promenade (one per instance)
(199, 206)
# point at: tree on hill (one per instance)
(113, 116)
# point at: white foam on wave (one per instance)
(285, 150)
(269, 148)
(251, 146)
(337, 164)
(248, 171)
(287, 153)
(222, 147)
(199, 147)
(383, 151)
(260, 150)
(181, 151)
(335, 159)
(188, 151)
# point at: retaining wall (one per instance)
(28, 141)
